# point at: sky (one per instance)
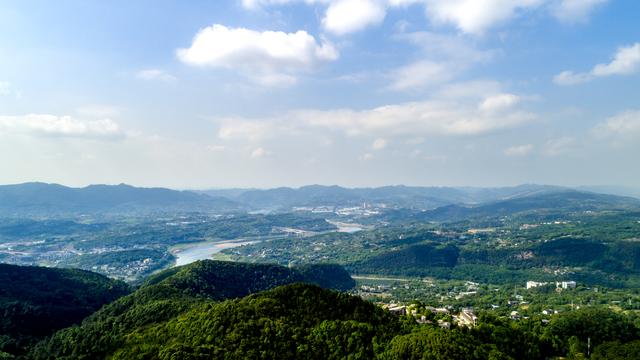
(266, 93)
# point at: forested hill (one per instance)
(302, 321)
(225, 280)
(35, 199)
(174, 292)
(36, 301)
(184, 313)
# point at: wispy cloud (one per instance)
(626, 61)
(259, 153)
(155, 74)
(379, 144)
(434, 117)
(519, 150)
(572, 11)
(559, 146)
(442, 59)
(623, 126)
(5, 88)
(60, 126)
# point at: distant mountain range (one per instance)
(562, 201)
(394, 196)
(52, 199)
(48, 199)
(422, 198)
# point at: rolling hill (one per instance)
(177, 291)
(400, 196)
(36, 301)
(561, 201)
(41, 199)
(302, 321)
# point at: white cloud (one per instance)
(239, 128)
(571, 78)
(5, 88)
(98, 111)
(258, 153)
(477, 16)
(62, 126)
(443, 57)
(559, 146)
(379, 144)
(469, 16)
(420, 74)
(155, 74)
(415, 118)
(626, 61)
(519, 150)
(366, 157)
(409, 120)
(346, 16)
(342, 16)
(571, 11)
(216, 148)
(268, 57)
(625, 125)
(447, 47)
(256, 4)
(478, 89)
(499, 102)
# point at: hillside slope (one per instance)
(170, 294)
(302, 321)
(36, 301)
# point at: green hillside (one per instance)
(174, 292)
(304, 321)
(36, 301)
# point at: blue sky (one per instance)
(263, 93)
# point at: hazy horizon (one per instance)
(579, 187)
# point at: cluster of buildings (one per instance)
(465, 318)
(364, 210)
(563, 285)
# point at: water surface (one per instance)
(201, 251)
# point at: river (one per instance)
(187, 254)
(346, 227)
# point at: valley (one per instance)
(527, 256)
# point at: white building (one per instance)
(535, 284)
(566, 284)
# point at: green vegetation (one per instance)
(131, 248)
(171, 293)
(212, 309)
(304, 321)
(480, 258)
(35, 302)
(595, 248)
